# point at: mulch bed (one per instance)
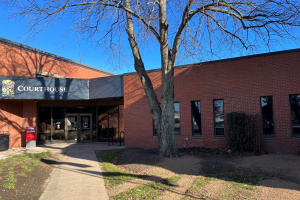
(32, 186)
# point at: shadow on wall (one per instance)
(137, 118)
(20, 62)
(191, 84)
(12, 126)
(15, 124)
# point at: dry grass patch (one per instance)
(142, 175)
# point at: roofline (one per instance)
(50, 55)
(60, 78)
(106, 77)
(225, 60)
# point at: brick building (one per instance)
(65, 100)
(267, 85)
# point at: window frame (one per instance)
(292, 129)
(266, 136)
(218, 136)
(177, 135)
(199, 135)
(154, 130)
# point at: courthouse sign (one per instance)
(44, 88)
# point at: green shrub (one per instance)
(243, 133)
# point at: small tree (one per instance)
(192, 27)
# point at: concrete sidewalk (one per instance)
(54, 148)
(78, 175)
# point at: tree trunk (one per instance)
(166, 138)
(163, 115)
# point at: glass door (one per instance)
(72, 127)
(85, 130)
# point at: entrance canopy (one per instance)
(60, 88)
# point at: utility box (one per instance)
(30, 137)
(4, 141)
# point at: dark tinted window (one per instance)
(154, 129)
(177, 119)
(267, 116)
(79, 109)
(44, 123)
(103, 122)
(108, 122)
(196, 118)
(219, 117)
(58, 123)
(295, 114)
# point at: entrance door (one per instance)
(85, 131)
(79, 127)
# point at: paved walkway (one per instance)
(54, 148)
(77, 176)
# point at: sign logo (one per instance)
(8, 88)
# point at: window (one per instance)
(44, 123)
(219, 118)
(51, 122)
(267, 116)
(295, 114)
(58, 123)
(76, 110)
(196, 118)
(176, 119)
(103, 118)
(154, 129)
(108, 122)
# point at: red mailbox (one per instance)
(30, 133)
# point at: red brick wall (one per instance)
(15, 116)
(18, 62)
(13, 119)
(240, 83)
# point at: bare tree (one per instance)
(187, 28)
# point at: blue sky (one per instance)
(54, 40)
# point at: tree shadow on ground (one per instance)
(238, 168)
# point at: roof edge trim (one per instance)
(225, 59)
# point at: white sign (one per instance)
(22, 88)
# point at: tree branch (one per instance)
(118, 5)
(155, 109)
(178, 35)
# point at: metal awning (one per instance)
(60, 88)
